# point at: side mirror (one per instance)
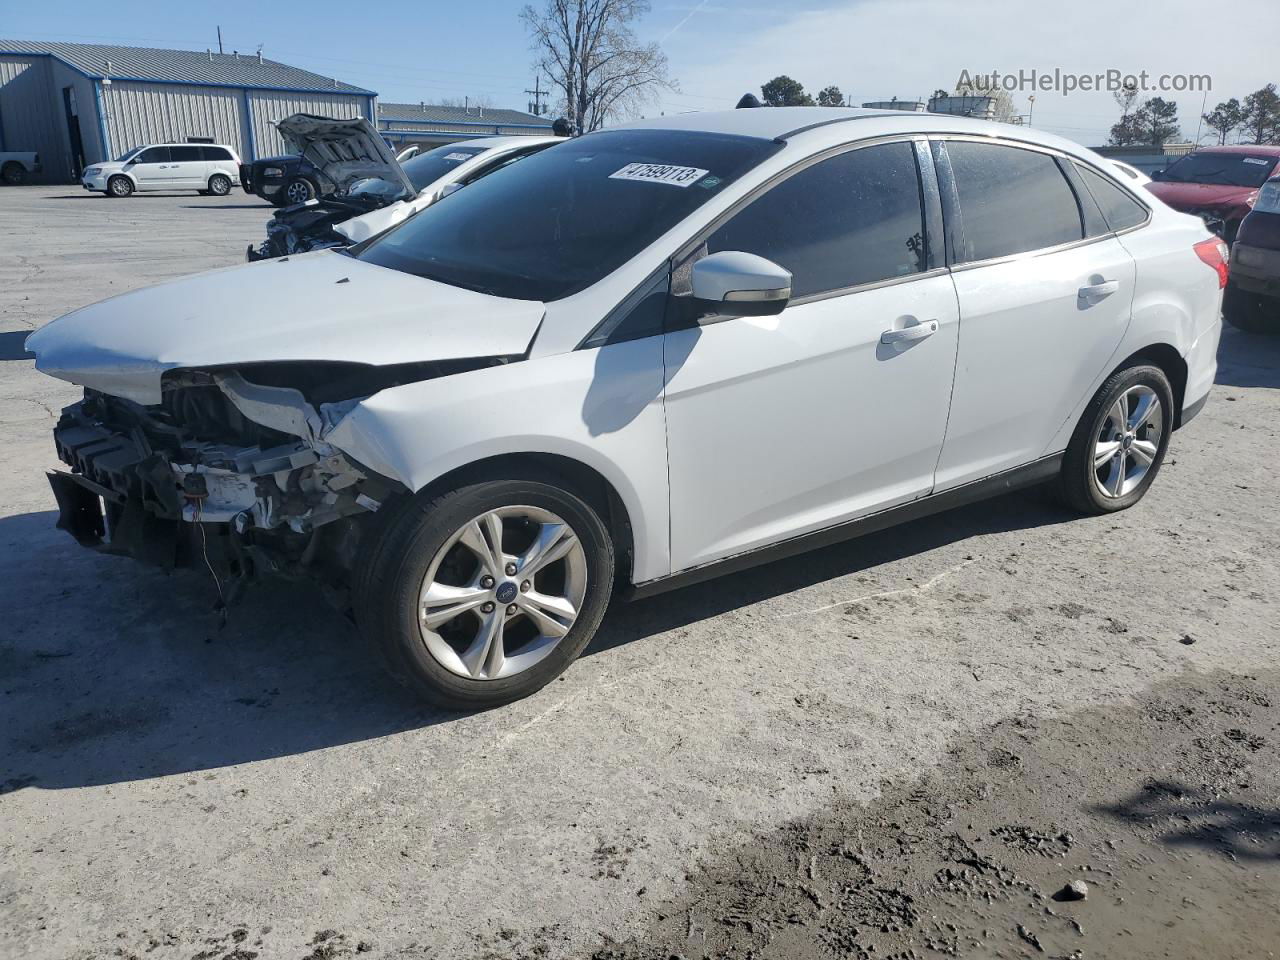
(737, 284)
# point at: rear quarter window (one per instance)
(1121, 210)
(216, 153)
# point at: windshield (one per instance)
(562, 219)
(1223, 169)
(426, 168)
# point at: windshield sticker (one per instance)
(457, 156)
(660, 173)
(1261, 163)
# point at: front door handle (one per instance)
(917, 331)
(1099, 291)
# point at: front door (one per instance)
(151, 168)
(1046, 293)
(777, 426)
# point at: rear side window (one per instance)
(153, 155)
(184, 154)
(851, 219)
(1121, 210)
(1011, 200)
(216, 153)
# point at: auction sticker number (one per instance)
(660, 173)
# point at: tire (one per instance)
(1093, 485)
(428, 537)
(298, 190)
(119, 187)
(13, 174)
(219, 185)
(1250, 312)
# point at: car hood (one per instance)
(344, 150)
(1195, 196)
(318, 306)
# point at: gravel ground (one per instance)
(780, 763)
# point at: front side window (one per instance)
(851, 219)
(153, 155)
(1222, 169)
(1011, 200)
(184, 154)
(1121, 210)
(426, 168)
(559, 221)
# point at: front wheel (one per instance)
(299, 190)
(1120, 442)
(119, 187)
(485, 594)
(219, 185)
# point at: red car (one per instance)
(1218, 184)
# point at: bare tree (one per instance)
(589, 51)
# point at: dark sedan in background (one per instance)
(1252, 298)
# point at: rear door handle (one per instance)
(917, 331)
(1095, 292)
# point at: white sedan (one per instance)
(643, 358)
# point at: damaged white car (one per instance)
(373, 188)
(643, 358)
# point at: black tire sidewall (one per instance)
(1078, 470)
(387, 602)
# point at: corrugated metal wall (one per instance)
(141, 113)
(87, 111)
(271, 106)
(30, 113)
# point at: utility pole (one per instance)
(219, 39)
(535, 106)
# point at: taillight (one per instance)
(1214, 252)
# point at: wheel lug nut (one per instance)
(512, 610)
(511, 569)
(487, 608)
(486, 583)
(526, 587)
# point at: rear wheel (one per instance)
(119, 187)
(219, 185)
(484, 594)
(1120, 442)
(13, 173)
(1250, 312)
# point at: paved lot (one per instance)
(170, 788)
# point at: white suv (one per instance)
(636, 360)
(204, 167)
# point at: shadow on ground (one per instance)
(11, 345)
(1248, 359)
(116, 672)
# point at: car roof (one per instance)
(497, 143)
(786, 123)
(1263, 149)
(224, 146)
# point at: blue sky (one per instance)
(718, 49)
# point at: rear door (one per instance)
(187, 168)
(151, 168)
(1045, 292)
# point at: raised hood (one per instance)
(344, 150)
(316, 306)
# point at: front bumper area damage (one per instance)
(223, 473)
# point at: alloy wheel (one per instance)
(502, 592)
(1128, 442)
(297, 192)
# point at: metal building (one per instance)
(430, 125)
(77, 104)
